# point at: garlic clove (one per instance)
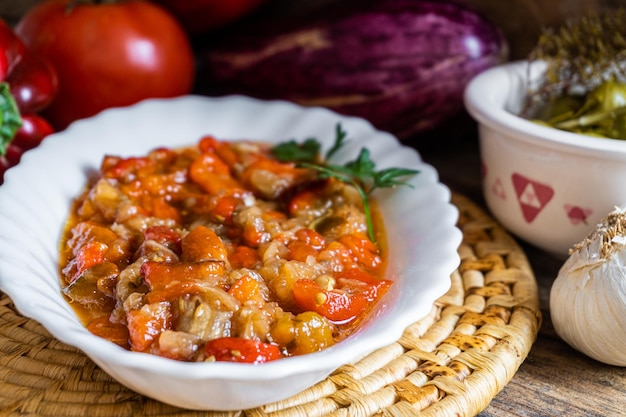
(588, 297)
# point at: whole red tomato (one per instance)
(200, 16)
(108, 54)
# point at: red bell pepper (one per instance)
(27, 85)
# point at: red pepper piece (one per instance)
(203, 244)
(147, 323)
(364, 251)
(244, 257)
(114, 332)
(236, 349)
(165, 236)
(224, 209)
(349, 300)
(91, 254)
(171, 281)
(247, 289)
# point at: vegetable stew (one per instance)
(220, 252)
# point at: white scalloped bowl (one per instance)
(36, 196)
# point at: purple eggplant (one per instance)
(401, 64)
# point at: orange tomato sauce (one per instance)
(218, 251)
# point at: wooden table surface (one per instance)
(555, 380)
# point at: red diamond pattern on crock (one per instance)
(498, 189)
(577, 214)
(532, 196)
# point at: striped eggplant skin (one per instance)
(400, 64)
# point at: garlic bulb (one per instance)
(588, 297)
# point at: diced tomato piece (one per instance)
(159, 183)
(336, 305)
(236, 349)
(247, 289)
(337, 253)
(165, 236)
(364, 251)
(92, 244)
(159, 274)
(93, 253)
(273, 215)
(88, 231)
(203, 244)
(304, 200)
(308, 243)
(135, 190)
(300, 251)
(128, 168)
(171, 281)
(286, 171)
(213, 175)
(210, 144)
(202, 203)
(244, 257)
(283, 169)
(356, 279)
(163, 210)
(307, 199)
(146, 324)
(108, 162)
(114, 332)
(360, 282)
(216, 184)
(254, 233)
(224, 209)
(311, 237)
(164, 156)
(174, 291)
(211, 162)
(349, 300)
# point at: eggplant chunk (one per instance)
(94, 287)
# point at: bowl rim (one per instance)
(486, 97)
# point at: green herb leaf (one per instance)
(389, 177)
(292, 151)
(340, 140)
(360, 173)
(10, 119)
(362, 168)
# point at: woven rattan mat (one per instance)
(451, 363)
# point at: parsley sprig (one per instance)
(361, 173)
